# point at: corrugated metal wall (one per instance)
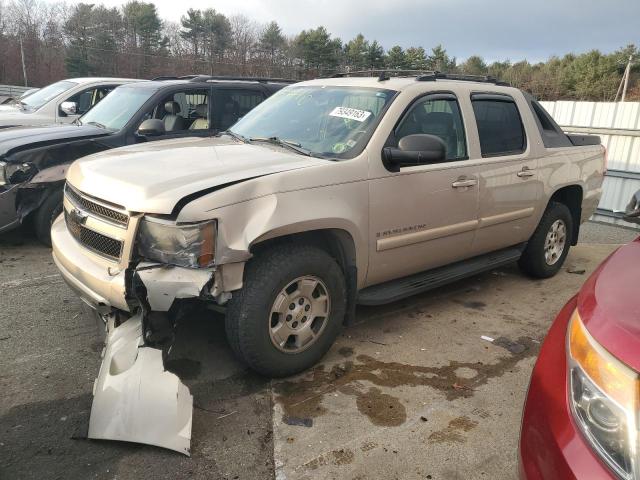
(618, 124)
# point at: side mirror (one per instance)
(69, 108)
(418, 149)
(151, 127)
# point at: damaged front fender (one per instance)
(135, 398)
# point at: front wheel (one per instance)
(549, 245)
(289, 310)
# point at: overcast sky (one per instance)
(494, 29)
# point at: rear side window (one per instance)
(499, 125)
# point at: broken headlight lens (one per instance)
(603, 393)
(185, 245)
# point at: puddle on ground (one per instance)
(382, 409)
(452, 433)
(303, 398)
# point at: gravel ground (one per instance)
(595, 232)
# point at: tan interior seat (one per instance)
(202, 122)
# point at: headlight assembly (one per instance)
(603, 393)
(185, 245)
(15, 172)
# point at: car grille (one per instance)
(100, 244)
(97, 209)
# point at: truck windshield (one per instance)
(44, 95)
(326, 121)
(117, 108)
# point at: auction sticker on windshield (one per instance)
(350, 113)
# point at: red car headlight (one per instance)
(603, 393)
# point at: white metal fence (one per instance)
(618, 125)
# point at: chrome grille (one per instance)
(100, 244)
(97, 209)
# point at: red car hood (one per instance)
(609, 304)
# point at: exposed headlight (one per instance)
(15, 172)
(184, 245)
(604, 400)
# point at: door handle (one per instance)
(525, 172)
(464, 182)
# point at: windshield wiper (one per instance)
(235, 135)
(290, 144)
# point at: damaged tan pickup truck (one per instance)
(333, 192)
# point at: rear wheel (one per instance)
(46, 214)
(289, 311)
(549, 245)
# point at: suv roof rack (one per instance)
(172, 77)
(208, 78)
(421, 76)
(214, 78)
(432, 76)
(382, 74)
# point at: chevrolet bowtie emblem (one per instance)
(78, 216)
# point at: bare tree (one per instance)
(244, 35)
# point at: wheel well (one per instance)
(336, 242)
(571, 196)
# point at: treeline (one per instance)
(86, 39)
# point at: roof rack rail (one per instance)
(382, 74)
(173, 77)
(208, 78)
(420, 75)
(429, 77)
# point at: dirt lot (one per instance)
(411, 391)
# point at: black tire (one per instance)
(247, 320)
(46, 214)
(533, 261)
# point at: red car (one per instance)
(582, 414)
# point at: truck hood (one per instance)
(153, 177)
(19, 138)
(609, 304)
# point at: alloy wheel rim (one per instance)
(555, 242)
(299, 314)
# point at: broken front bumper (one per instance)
(102, 284)
(135, 398)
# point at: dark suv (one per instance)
(34, 160)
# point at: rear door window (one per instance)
(499, 125)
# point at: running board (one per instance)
(421, 282)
